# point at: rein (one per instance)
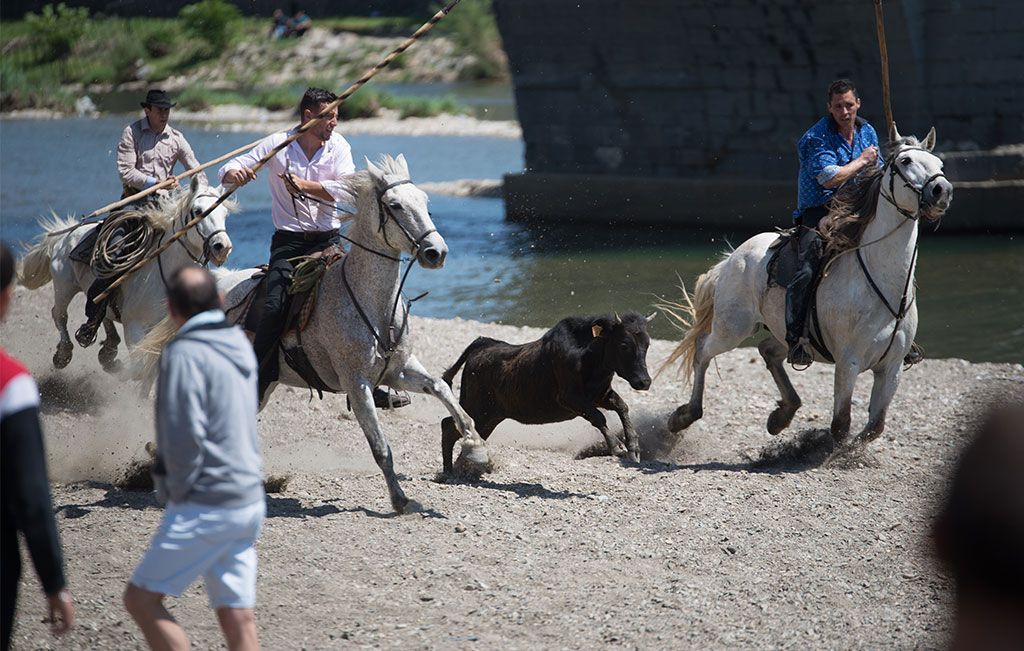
(901, 312)
(387, 340)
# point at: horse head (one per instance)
(209, 239)
(913, 179)
(404, 220)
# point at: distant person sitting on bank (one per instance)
(300, 23)
(279, 26)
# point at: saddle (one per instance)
(302, 292)
(84, 249)
(782, 267)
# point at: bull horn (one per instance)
(651, 317)
(617, 319)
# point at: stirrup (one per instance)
(385, 399)
(914, 356)
(800, 357)
(86, 333)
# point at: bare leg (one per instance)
(239, 626)
(108, 350)
(59, 312)
(161, 630)
(413, 377)
(614, 401)
(883, 388)
(774, 354)
(361, 399)
(845, 380)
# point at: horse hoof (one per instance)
(682, 418)
(634, 456)
(62, 357)
(779, 420)
(112, 366)
(399, 503)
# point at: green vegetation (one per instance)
(210, 20)
(473, 27)
(365, 104)
(50, 55)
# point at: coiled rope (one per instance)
(123, 240)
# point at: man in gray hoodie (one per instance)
(208, 471)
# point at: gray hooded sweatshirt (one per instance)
(207, 446)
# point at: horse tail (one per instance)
(693, 315)
(449, 375)
(145, 356)
(34, 266)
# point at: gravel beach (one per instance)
(726, 538)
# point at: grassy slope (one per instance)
(109, 51)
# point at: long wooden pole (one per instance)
(367, 76)
(884, 52)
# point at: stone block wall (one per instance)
(690, 88)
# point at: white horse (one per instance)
(357, 337)
(867, 313)
(139, 302)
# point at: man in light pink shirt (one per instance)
(315, 165)
(146, 154)
(150, 147)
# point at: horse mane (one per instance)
(162, 212)
(854, 206)
(363, 188)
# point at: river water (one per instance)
(971, 288)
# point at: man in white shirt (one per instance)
(314, 165)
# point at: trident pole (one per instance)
(367, 76)
(884, 55)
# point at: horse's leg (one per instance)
(845, 380)
(413, 377)
(62, 296)
(728, 331)
(450, 435)
(883, 388)
(774, 354)
(108, 350)
(361, 400)
(615, 402)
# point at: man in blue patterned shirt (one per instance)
(835, 150)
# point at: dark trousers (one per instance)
(11, 564)
(283, 245)
(798, 293)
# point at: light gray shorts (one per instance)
(216, 543)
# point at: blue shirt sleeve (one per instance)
(871, 138)
(820, 162)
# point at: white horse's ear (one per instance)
(651, 317)
(376, 173)
(193, 188)
(929, 140)
(894, 133)
(403, 164)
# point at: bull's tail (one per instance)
(34, 266)
(693, 315)
(449, 375)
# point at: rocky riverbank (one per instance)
(727, 538)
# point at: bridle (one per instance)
(390, 339)
(900, 312)
(203, 259)
(386, 215)
(920, 192)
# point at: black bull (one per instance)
(564, 374)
